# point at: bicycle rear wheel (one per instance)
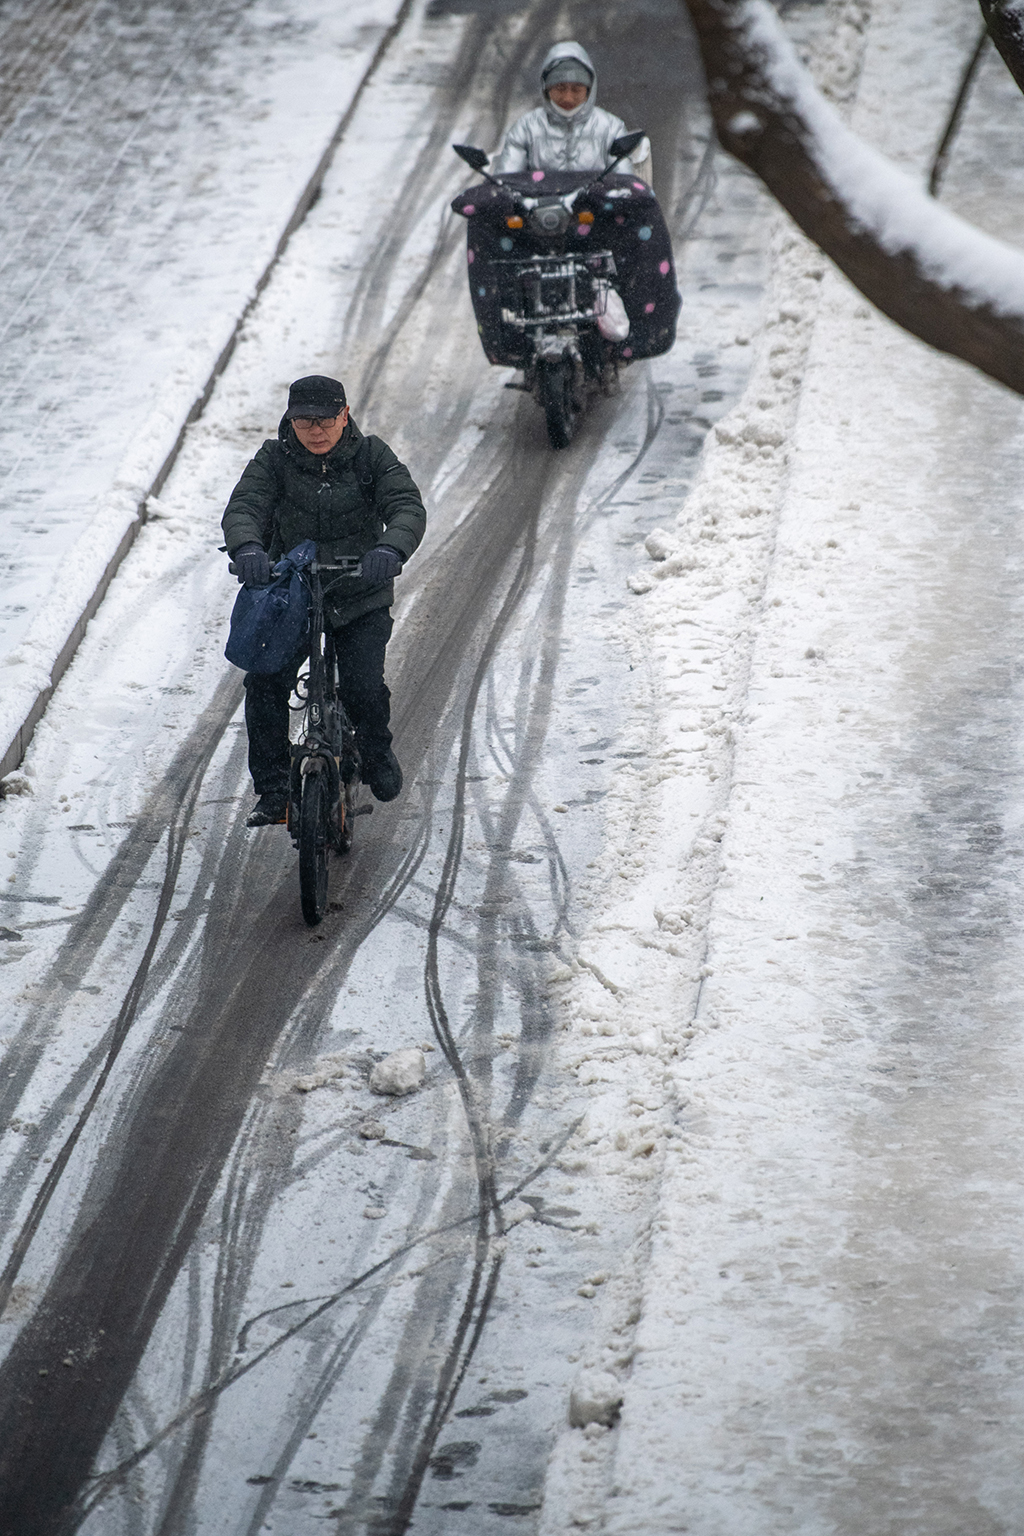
(314, 841)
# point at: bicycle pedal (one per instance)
(362, 810)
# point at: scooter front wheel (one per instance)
(314, 840)
(556, 396)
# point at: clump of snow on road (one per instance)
(596, 1398)
(400, 1073)
(328, 1069)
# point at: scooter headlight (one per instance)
(550, 220)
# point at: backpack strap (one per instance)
(362, 466)
(275, 459)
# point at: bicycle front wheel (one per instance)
(314, 841)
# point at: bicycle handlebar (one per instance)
(352, 566)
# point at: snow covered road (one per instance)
(233, 1275)
(702, 900)
(152, 160)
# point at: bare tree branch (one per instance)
(1005, 22)
(940, 278)
(942, 154)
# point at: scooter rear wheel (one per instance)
(556, 394)
(314, 841)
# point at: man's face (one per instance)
(320, 433)
(568, 96)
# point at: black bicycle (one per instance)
(325, 765)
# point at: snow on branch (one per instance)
(1005, 22)
(936, 275)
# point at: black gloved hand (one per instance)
(253, 564)
(381, 564)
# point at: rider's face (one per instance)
(568, 95)
(320, 435)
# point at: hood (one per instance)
(569, 50)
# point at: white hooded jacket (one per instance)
(549, 139)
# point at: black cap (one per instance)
(316, 397)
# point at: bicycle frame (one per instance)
(327, 741)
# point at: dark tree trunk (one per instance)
(766, 129)
(1005, 22)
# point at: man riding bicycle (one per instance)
(322, 479)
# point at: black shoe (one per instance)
(269, 811)
(383, 774)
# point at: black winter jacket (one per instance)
(287, 494)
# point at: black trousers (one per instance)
(361, 649)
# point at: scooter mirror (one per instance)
(473, 157)
(622, 147)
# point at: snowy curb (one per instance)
(35, 667)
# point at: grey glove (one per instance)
(253, 564)
(381, 564)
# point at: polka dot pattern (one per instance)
(626, 222)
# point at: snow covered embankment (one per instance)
(638, 1006)
(140, 302)
(830, 1308)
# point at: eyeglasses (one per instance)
(305, 422)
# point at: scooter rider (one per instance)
(322, 479)
(570, 132)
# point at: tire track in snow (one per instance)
(535, 710)
(32, 44)
(401, 1409)
(150, 1193)
(169, 806)
(441, 670)
(107, 900)
(104, 1482)
(16, 749)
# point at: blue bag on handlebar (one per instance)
(268, 624)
